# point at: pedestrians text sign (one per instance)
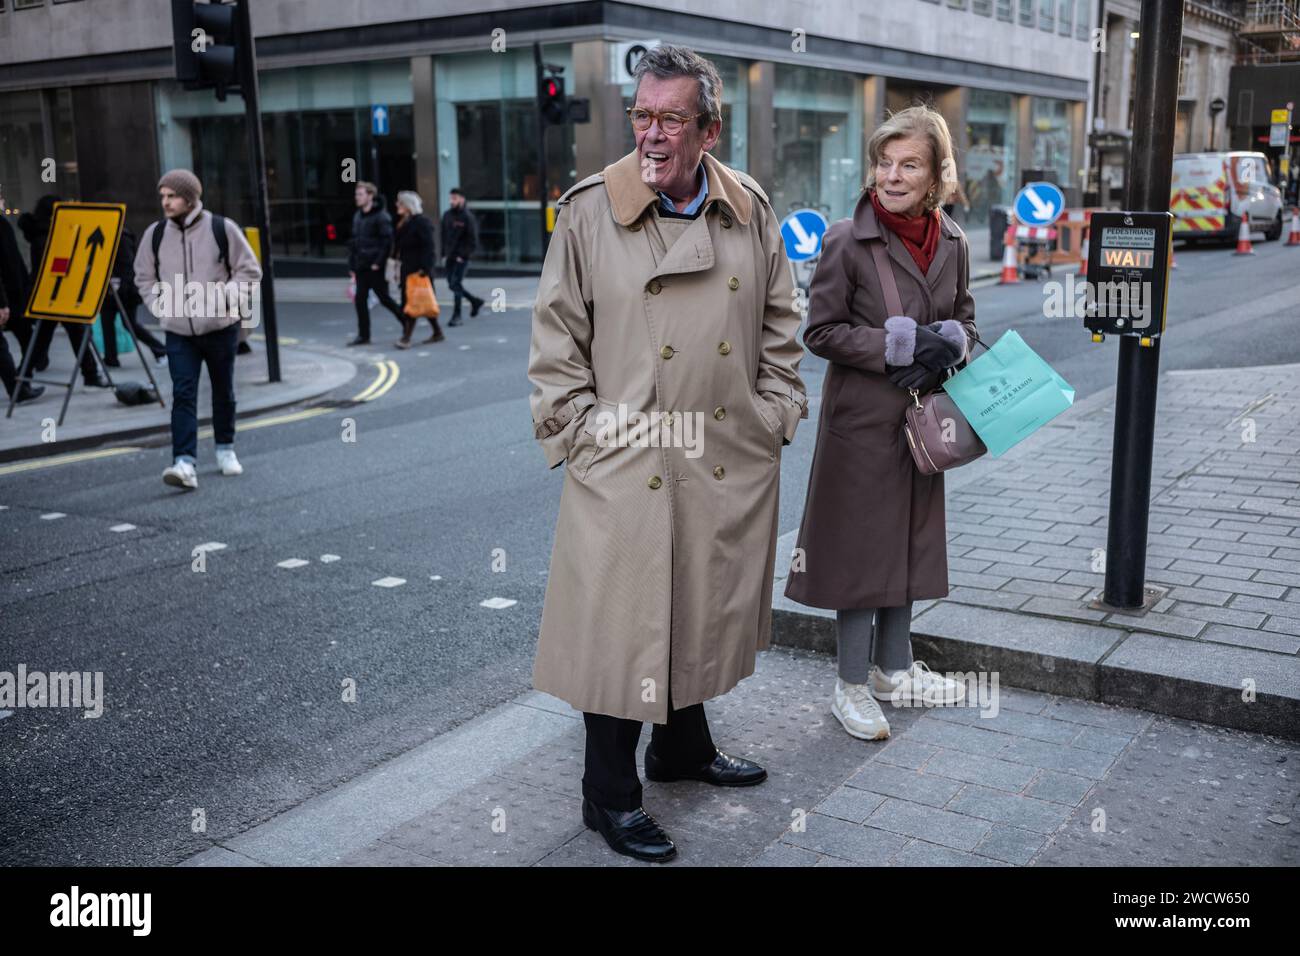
(78, 261)
(802, 231)
(1039, 204)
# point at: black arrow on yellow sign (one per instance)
(94, 244)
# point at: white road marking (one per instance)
(502, 340)
(211, 546)
(329, 558)
(124, 526)
(53, 516)
(464, 348)
(435, 577)
(389, 582)
(422, 354)
(6, 713)
(4, 507)
(291, 563)
(497, 603)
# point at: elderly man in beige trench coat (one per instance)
(665, 371)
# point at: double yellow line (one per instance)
(385, 379)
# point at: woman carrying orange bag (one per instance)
(413, 249)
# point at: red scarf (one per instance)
(920, 234)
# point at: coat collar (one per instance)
(629, 195)
(866, 225)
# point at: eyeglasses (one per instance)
(671, 123)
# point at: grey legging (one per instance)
(887, 644)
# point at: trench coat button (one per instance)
(726, 221)
(654, 286)
(724, 348)
(669, 419)
(733, 283)
(654, 482)
(719, 413)
(719, 472)
(636, 226)
(666, 351)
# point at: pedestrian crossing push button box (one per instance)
(1128, 273)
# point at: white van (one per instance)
(1212, 191)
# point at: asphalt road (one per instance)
(224, 688)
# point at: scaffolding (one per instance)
(1270, 32)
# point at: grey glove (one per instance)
(939, 346)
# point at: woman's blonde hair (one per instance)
(929, 124)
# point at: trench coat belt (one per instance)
(554, 424)
(769, 384)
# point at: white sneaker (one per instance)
(917, 685)
(229, 463)
(860, 715)
(182, 475)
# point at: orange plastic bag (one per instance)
(421, 303)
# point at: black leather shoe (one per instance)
(99, 381)
(474, 306)
(29, 393)
(359, 341)
(723, 770)
(633, 833)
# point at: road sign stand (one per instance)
(129, 322)
(24, 378)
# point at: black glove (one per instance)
(915, 376)
(933, 351)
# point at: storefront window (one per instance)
(990, 161)
(1051, 122)
(314, 119)
(818, 141)
(25, 147)
(488, 146)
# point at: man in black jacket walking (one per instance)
(459, 242)
(372, 238)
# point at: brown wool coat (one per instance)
(873, 530)
(662, 565)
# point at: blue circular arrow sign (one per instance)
(1039, 204)
(802, 232)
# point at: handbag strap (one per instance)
(888, 284)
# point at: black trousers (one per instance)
(367, 280)
(41, 332)
(609, 776)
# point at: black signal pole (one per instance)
(261, 193)
(542, 124)
(1150, 173)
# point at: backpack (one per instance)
(218, 233)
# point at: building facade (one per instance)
(87, 88)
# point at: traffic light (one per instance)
(207, 43)
(551, 97)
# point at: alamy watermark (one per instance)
(1130, 302)
(235, 298)
(630, 427)
(75, 689)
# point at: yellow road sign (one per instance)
(78, 261)
(1281, 116)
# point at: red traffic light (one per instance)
(552, 88)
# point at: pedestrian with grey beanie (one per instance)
(193, 250)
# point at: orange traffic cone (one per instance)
(1244, 247)
(1083, 255)
(1294, 238)
(1010, 267)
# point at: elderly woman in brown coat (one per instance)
(872, 540)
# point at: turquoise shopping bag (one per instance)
(1008, 393)
(122, 337)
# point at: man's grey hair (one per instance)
(667, 61)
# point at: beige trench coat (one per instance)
(664, 550)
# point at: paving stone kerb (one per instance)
(95, 417)
(1026, 551)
